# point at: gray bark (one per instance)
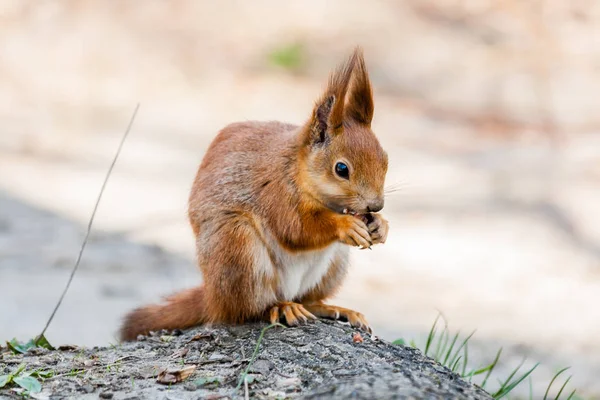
(319, 360)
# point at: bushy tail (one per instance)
(182, 310)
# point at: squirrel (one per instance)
(275, 208)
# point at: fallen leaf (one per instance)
(216, 357)
(41, 341)
(200, 336)
(28, 383)
(288, 382)
(216, 396)
(207, 380)
(89, 363)
(5, 380)
(17, 347)
(181, 353)
(24, 347)
(357, 338)
(175, 375)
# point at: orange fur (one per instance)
(269, 212)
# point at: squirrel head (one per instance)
(342, 164)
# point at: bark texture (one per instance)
(319, 360)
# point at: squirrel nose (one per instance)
(375, 205)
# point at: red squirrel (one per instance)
(275, 208)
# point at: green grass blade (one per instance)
(508, 387)
(20, 369)
(492, 365)
(552, 381)
(562, 388)
(255, 353)
(530, 389)
(489, 368)
(512, 374)
(455, 365)
(461, 347)
(431, 335)
(442, 347)
(442, 343)
(481, 370)
(466, 355)
(451, 348)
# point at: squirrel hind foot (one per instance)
(356, 319)
(293, 313)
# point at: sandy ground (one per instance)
(501, 233)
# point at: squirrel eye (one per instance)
(342, 171)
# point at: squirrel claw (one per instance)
(355, 232)
(294, 313)
(355, 318)
(378, 229)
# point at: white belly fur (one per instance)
(302, 271)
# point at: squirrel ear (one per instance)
(323, 119)
(360, 100)
(328, 114)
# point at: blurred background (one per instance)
(488, 110)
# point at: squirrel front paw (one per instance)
(378, 228)
(354, 232)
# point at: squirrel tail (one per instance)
(182, 310)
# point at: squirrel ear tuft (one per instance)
(360, 105)
(328, 114)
